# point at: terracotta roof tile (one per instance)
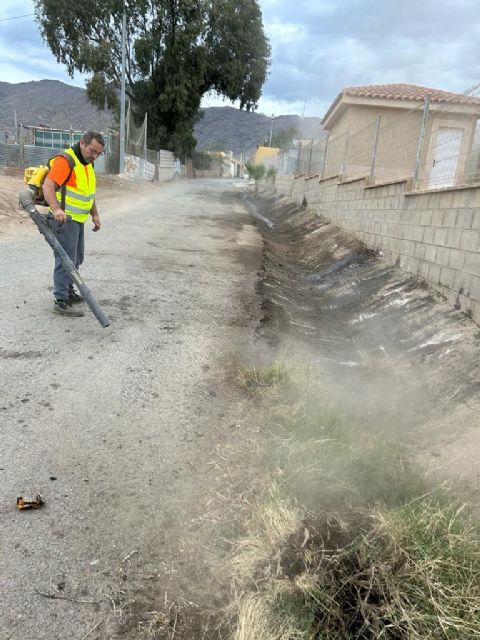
(410, 92)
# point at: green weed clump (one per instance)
(255, 378)
(321, 459)
(405, 573)
(351, 541)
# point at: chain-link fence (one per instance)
(436, 144)
(27, 155)
(450, 153)
(142, 162)
(305, 158)
(32, 146)
(36, 145)
(385, 149)
(311, 157)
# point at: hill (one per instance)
(227, 128)
(58, 105)
(50, 103)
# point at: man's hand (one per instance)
(96, 222)
(60, 216)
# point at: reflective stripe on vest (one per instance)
(79, 199)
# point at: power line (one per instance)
(26, 15)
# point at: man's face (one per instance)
(91, 151)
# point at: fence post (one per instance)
(299, 153)
(22, 151)
(421, 140)
(145, 149)
(375, 145)
(325, 154)
(310, 157)
(344, 163)
(156, 175)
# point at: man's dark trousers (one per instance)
(71, 236)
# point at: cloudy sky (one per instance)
(318, 47)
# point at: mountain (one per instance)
(50, 103)
(227, 128)
(60, 106)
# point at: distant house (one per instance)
(266, 155)
(444, 152)
(220, 165)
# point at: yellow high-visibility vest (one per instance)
(79, 199)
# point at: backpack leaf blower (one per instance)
(26, 201)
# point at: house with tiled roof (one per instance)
(404, 131)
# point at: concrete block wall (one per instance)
(432, 234)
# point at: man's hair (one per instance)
(93, 135)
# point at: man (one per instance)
(68, 222)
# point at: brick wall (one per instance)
(432, 234)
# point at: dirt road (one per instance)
(126, 431)
(115, 427)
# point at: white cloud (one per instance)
(281, 32)
(23, 54)
(318, 47)
(370, 42)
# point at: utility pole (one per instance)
(271, 132)
(121, 167)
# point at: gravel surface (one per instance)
(114, 427)
(138, 437)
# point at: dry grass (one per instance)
(321, 459)
(350, 541)
(404, 574)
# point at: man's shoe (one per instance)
(64, 309)
(74, 298)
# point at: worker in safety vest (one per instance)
(68, 223)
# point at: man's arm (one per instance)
(95, 217)
(49, 191)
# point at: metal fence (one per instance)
(306, 157)
(311, 157)
(385, 149)
(142, 162)
(436, 145)
(29, 155)
(153, 165)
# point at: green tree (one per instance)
(284, 138)
(177, 51)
